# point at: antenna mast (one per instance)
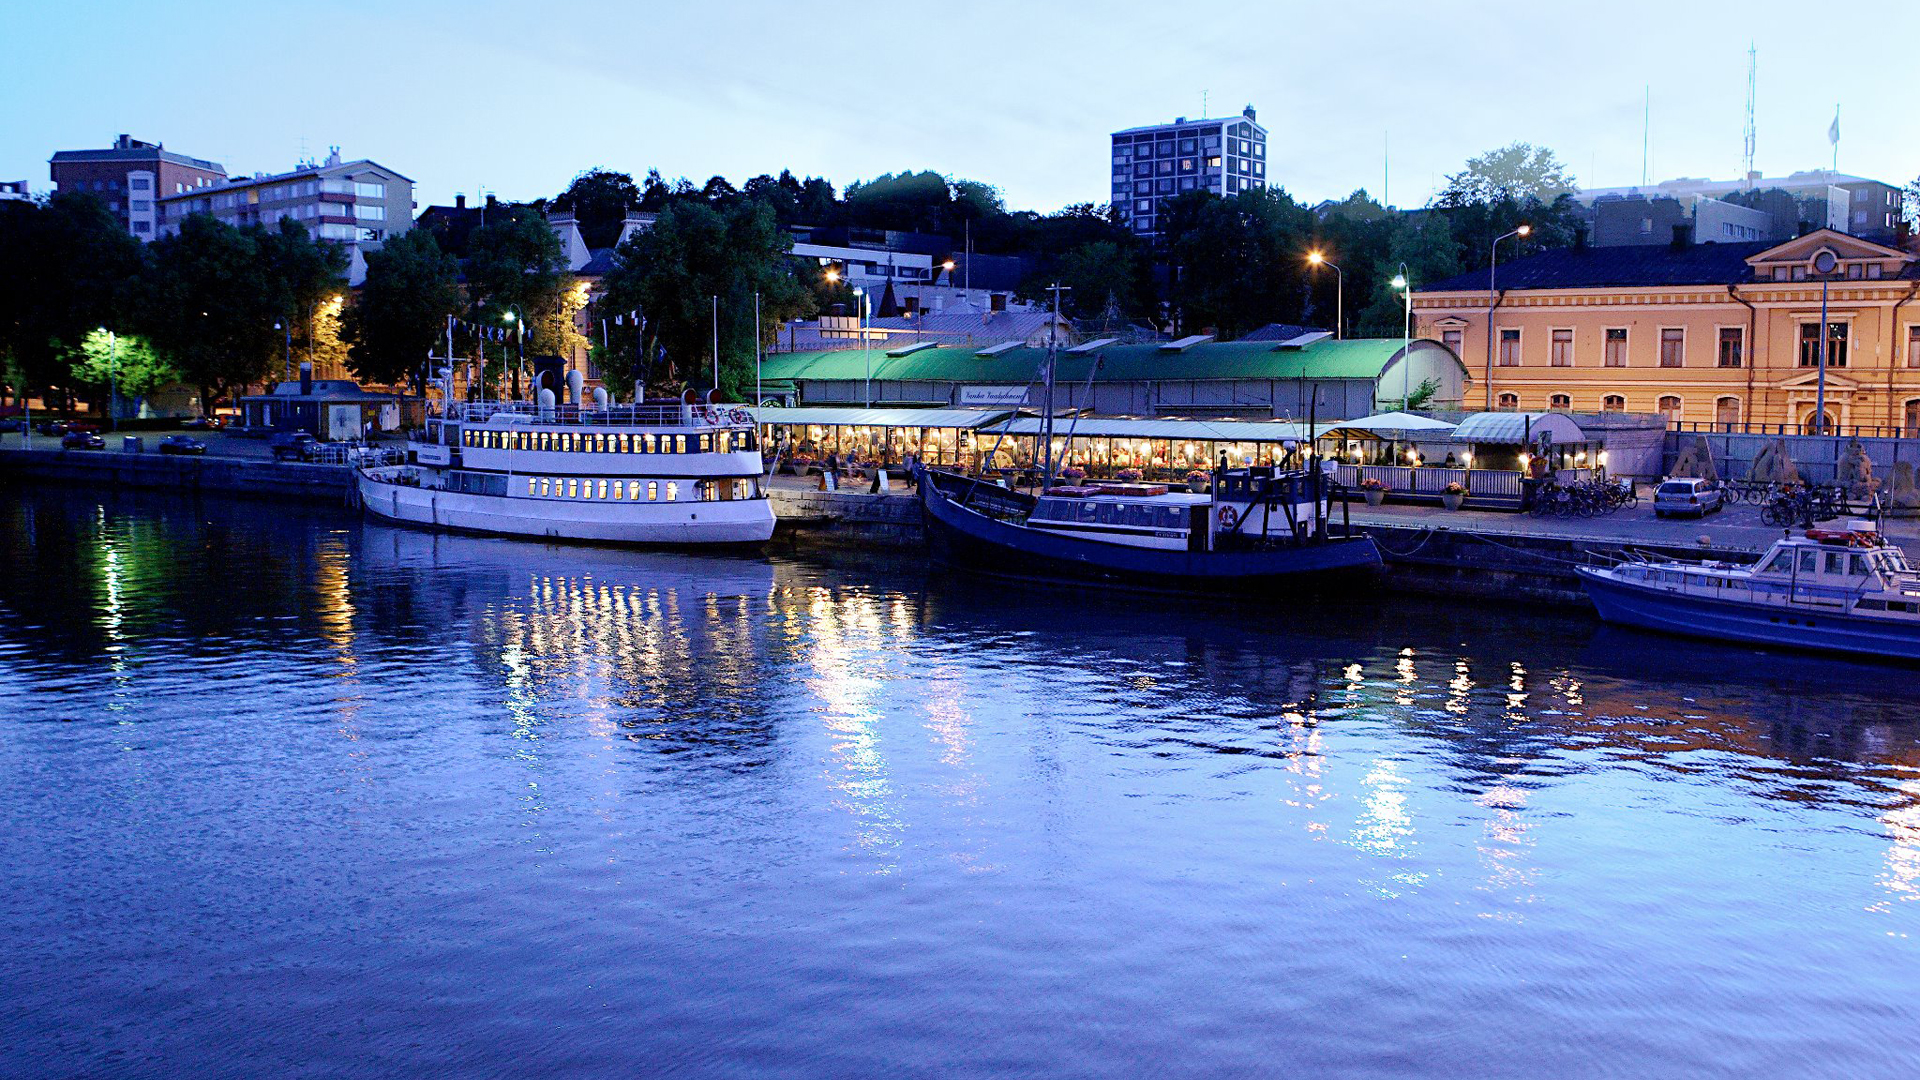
(1646, 128)
(1753, 134)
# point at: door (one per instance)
(343, 422)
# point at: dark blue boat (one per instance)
(1256, 526)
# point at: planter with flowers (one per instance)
(1073, 472)
(1375, 490)
(1453, 495)
(1128, 476)
(1198, 481)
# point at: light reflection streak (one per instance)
(1503, 847)
(1385, 829)
(845, 650)
(1901, 875)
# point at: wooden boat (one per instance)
(1254, 525)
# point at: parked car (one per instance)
(203, 423)
(181, 444)
(292, 445)
(1687, 496)
(82, 440)
(51, 427)
(13, 423)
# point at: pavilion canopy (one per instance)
(1397, 425)
(919, 418)
(1514, 428)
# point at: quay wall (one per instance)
(169, 472)
(1483, 565)
(848, 519)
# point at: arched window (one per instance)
(1614, 403)
(1508, 402)
(1810, 425)
(1726, 413)
(1670, 407)
(1562, 402)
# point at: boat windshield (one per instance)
(1781, 563)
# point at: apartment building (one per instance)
(1816, 197)
(355, 203)
(131, 177)
(1725, 334)
(1153, 164)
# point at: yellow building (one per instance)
(1724, 334)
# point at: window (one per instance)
(1913, 346)
(1615, 352)
(1613, 403)
(1726, 413)
(603, 489)
(1673, 347)
(1452, 339)
(370, 212)
(573, 489)
(1911, 422)
(673, 490)
(1509, 348)
(1562, 402)
(1561, 351)
(1670, 407)
(533, 486)
(546, 486)
(1508, 402)
(1732, 347)
(139, 183)
(1836, 344)
(369, 191)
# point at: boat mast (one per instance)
(1046, 423)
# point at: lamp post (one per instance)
(1493, 300)
(1823, 264)
(518, 321)
(866, 354)
(113, 376)
(1315, 258)
(1405, 286)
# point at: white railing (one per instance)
(650, 414)
(1407, 480)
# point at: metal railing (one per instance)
(650, 414)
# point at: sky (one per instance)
(515, 99)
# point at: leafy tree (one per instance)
(672, 272)
(514, 262)
(1513, 173)
(210, 305)
(104, 359)
(599, 200)
(1106, 280)
(401, 314)
(1238, 263)
(69, 269)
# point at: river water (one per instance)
(283, 793)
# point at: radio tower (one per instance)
(1753, 64)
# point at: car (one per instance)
(13, 423)
(1685, 495)
(181, 444)
(292, 445)
(51, 427)
(82, 440)
(203, 423)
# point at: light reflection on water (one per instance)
(318, 796)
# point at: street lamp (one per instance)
(1824, 265)
(1339, 294)
(518, 320)
(1493, 300)
(113, 375)
(860, 310)
(1405, 286)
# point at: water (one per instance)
(285, 794)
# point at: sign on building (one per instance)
(1011, 396)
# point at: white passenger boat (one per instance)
(1838, 590)
(655, 473)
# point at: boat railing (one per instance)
(645, 414)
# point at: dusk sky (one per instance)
(516, 98)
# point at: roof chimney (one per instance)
(459, 200)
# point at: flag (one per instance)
(1833, 129)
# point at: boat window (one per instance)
(533, 486)
(1857, 565)
(546, 486)
(619, 489)
(1836, 562)
(1782, 562)
(1809, 561)
(673, 486)
(603, 489)
(573, 489)
(653, 490)
(679, 444)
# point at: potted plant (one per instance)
(1073, 472)
(799, 463)
(1128, 476)
(1198, 481)
(1453, 495)
(1375, 490)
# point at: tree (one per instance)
(1238, 263)
(69, 268)
(412, 287)
(514, 262)
(1105, 277)
(306, 275)
(599, 200)
(672, 272)
(1513, 173)
(211, 307)
(104, 360)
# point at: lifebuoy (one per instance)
(1229, 517)
(742, 416)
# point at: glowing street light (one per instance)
(1493, 300)
(1315, 258)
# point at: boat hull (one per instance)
(743, 521)
(964, 537)
(1652, 608)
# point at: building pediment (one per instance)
(1449, 322)
(1844, 247)
(1836, 383)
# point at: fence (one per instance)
(1815, 456)
(1838, 431)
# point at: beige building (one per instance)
(1725, 334)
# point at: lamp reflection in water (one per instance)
(1385, 828)
(1901, 878)
(1504, 846)
(846, 650)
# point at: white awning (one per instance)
(1398, 424)
(935, 418)
(1514, 428)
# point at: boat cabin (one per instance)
(1138, 515)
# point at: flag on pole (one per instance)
(1833, 129)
